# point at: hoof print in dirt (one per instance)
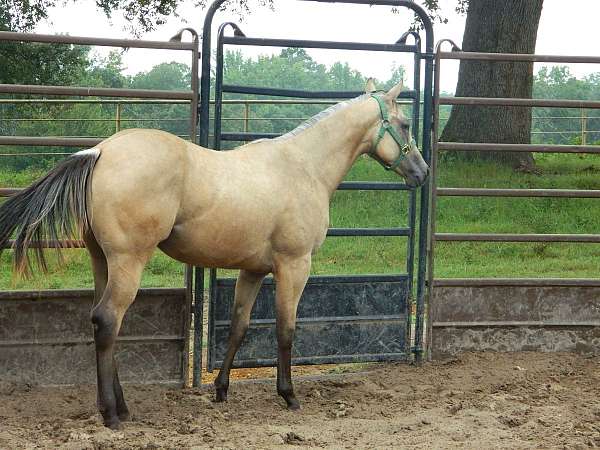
(292, 438)
(512, 421)
(341, 409)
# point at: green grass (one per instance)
(385, 209)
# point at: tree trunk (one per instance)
(506, 26)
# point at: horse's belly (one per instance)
(218, 248)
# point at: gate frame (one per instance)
(204, 116)
(545, 318)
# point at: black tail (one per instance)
(52, 208)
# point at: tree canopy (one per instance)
(142, 15)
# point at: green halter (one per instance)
(386, 127)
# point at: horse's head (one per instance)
(393, 145)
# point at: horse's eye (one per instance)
(405, 126)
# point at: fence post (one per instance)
(583, 127)
(246, 117)
(118, 118)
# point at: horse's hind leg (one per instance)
(100, 272)
(291, 276)
(124, 274)
(246, 290)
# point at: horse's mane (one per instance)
(320, 116)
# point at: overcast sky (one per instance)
(571, 30)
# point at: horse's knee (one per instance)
(105, 327)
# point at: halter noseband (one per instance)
(386, 127)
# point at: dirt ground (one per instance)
(519, 400)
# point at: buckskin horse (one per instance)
(260, 208)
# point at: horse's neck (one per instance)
(329, 148)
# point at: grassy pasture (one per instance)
(350, 255)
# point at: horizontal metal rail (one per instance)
(535, 148)
(519, 282)
(249, 101)
(509, 237)
(518, 57)
(49, 141)
(235, 89)
(94, 91)
(333, 45)
(480, 192)
(513, 323)
(91, 101)
(368, 232)
(373, 186)
(102, 42)
(322, 320)
(80, 294)
(246, 137)
(333, 359)
(328, 279)
(526, 102)
(90, 341)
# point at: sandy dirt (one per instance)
(521, 400)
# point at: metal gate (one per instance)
(340, 318)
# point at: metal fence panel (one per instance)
(344, 319)
(477, 317)
(520, 314)
(46, 337)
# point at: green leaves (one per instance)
(141, 15)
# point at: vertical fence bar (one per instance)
(118, 118)
(219, 87)
(425, 193)
(194, 277)
(433, 174)
(246, 117)
(198, 325)
(583, 127)
(412, 196)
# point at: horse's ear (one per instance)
(370, 86)
(394, 92)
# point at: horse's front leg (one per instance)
(246, 289)
(290, 275)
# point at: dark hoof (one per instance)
(113, 424)
(221, 395)
(293, 404)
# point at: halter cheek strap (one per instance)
(386, 127)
